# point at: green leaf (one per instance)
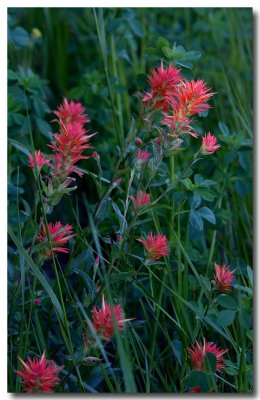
(245, 289)
(205, 194)
(204, 381)
(187, 183)
(226, 317)
(198, 179)
(20, 37)
(196, 220)
(207, 214)
(43, 127)
(205, 282)
(226, 301)
(210, 362)
(136, 27)
(121, 218)
(39, 275)
(231, 371)
(250, 274)
(223, 128)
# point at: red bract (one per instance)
(209, 144)
(103, 319)
(59, 234)
(71, 112)
(223, 277)
(142, 156)
(178, 123)
(199, 350)
(141, 199)
(163, 83)
(192, 97)
(157, 246)
(39, 158)
(39, 376)
(69, 145)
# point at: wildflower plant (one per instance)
(114, 255)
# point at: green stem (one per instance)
(172, 181)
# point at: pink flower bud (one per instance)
(95, 154)
(118, 181)
(158, 141)
(138, 141)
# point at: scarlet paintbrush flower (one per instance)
(209, 144)
(192, 97)
(69, 145)
(223, 278)
(142, 156)
(157, 246)
(71, 112)
(178, 123)
(103, 319)
(39, 376)
(142, 199)
(199, 350)
(39, 158)
(163, 82)
(59, 234)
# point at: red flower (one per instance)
(103, 319)
(163, 83)
(198, 352)
(59, 234)
(71, 112)
(157, 246)
(142, 199)
(40, 160)
(39, 376)
(69, 145)
(142, 156)
(223, 277)
(209, 144)
(193, 96)
(196, 389)
(178, 123)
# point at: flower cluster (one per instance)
(223, 277)
(68, 146)
(157, 246)
(39, 375)
(104, 320)
(198, 352)
(59, 235)
(178, 100)
(142, 199)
